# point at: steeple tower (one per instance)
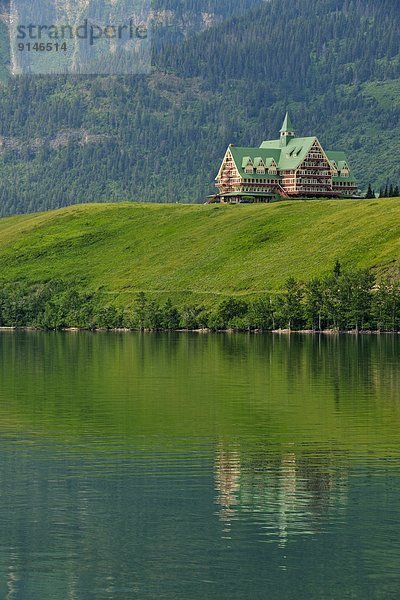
(287, 131)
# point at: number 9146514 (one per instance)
(42, 47)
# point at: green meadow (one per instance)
(199, 251)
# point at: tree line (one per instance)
(387, 191)
(343, 300)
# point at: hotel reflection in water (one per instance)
(286, 495)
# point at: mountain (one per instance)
(335, 64)
(175, 21)
(198, 253)
(170, 21)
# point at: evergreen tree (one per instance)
(370, 192)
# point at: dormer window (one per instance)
(272, 167)
(247, 165)
(344, 171)
(249, 168)
(259, 165)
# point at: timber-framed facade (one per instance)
(290, 167)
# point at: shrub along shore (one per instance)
(341, 301)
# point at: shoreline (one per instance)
(12, 329)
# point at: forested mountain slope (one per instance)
(174, 21)
(334, 63)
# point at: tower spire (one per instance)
(287, 130)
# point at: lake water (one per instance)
(199, 466)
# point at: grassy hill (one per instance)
(198, 252)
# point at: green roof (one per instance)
(287, 158)
(241, 157)
(290, 156)
(336, 156)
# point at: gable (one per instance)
(316, 148)
(227, 160)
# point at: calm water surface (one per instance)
(189, 467)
